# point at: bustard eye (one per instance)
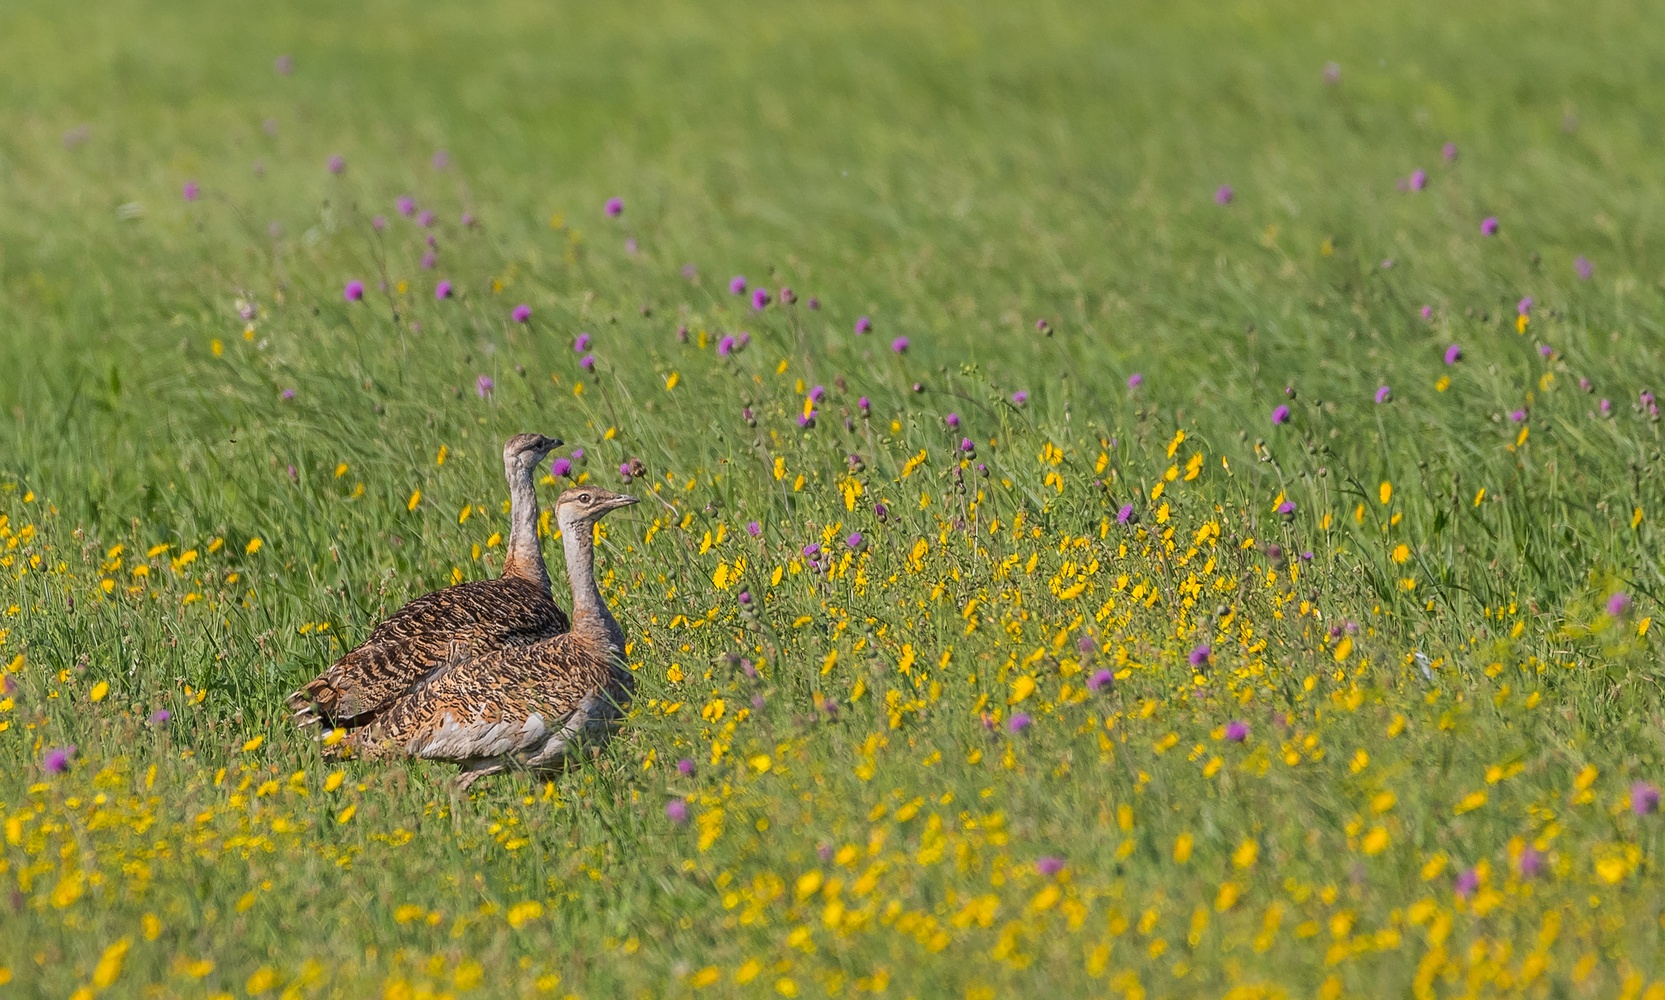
(584, 498)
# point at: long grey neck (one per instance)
(589, 611)
(525, 555)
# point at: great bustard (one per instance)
(471, 618)
(522, 706)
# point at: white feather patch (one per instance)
(453, 740)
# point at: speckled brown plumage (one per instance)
(523, 706)
(469, 619)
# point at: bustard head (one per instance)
(525, 451)
(587, 504)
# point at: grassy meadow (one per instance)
(1181, 519)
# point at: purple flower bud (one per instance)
(817, 393)
(1018, 722)
(354, 291)
(899, 345)
(967, 446)
(1199, 656)
(745, 598)
(814, 303)
(1125, 515)
(760, 299)
(1237, 731)
(788, 296)
(378, 223)
(1101, 680)
(581, 344)
(521, 313)
(854, 541)
(1135, 380)
(1453, 354)
(57, 759)
(1644, 799)
(863, 325)
(1049, 866)
(952, 420)
(754, 529)
(737, 285)
(725, 347)
(1606, 407)
(676, 811)
(864, 405)
(406, 206)
(1020, 397)
(1545, 350)
(484, 385)
(1419, 179)
(1488, 226)
(811, 550)
(587, 362)
(442, 290)
(288, 394)
(1383, 394)
(1280, 415)
(614, 207)
(685, 767)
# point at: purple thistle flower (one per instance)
(1467, 882)
(1644, 799)
(1020, 397)
(754, 529)
(484, 385)
(1224, 194)
(725, 347)
(429, 259)
(378, 223)
(191, 191)
(57, 759)
(441, 159)
(788, 296)
(968, 446)
(1516, 416)
(337, 164)
(614, 207)
(587, 362)
(864, 325)
(745, 598)
(406, 206)
(1280, 415)
(577, 454)
(1383, 394)
(1584, 267)
(581, 343)
(1449, 152)
(288, 394)
(1287, 508)
(624, 471)
(442, 290)
(354, 291)
(1125, 515)
(425, 219)
(1419, 179)
(1530, 863)
(1618, 604)
(952, 420)
(1135, 380)
(760, 299)
(1049, 866)
(560, 467)
(1606, 407)
(1427, 312)
(522, 313)
(817, 393)
(676, 811)
(1237, 731)
(854, 541)
(685, 767)
(1199, 656)
(1545, 350)
(1453, 354)
(1018, 722)
(1101, 681)
(865, 405)
(1524, 306)
(811, 550)
(160, 717)
(899, 345)
(1488, 226)
(737, 285)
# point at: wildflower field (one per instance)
(1139, 500)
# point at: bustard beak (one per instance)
(624, 500)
